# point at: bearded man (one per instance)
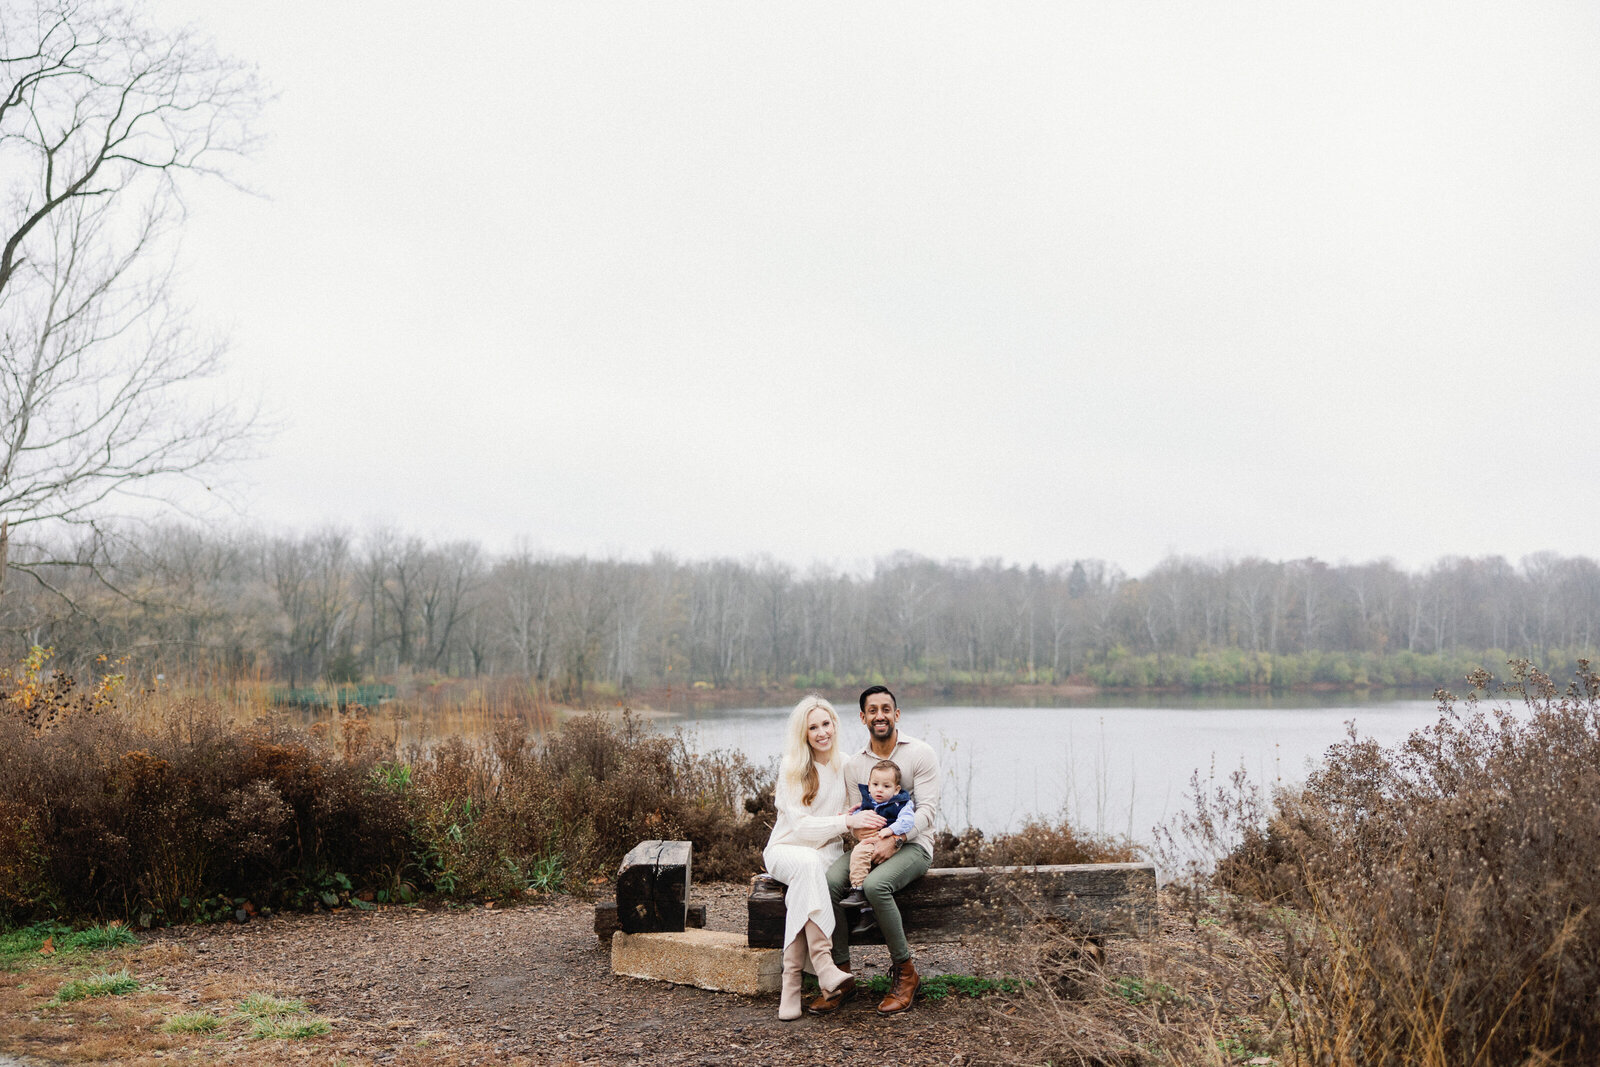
(897, 860)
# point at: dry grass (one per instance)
(161, 807)
(565, 808)
(156, 1026)
(110, 818)
(1426, 905)
(1037, 842)
(1191, 993)
(151, 1023)
(435, 709)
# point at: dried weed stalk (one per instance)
(1432, 903)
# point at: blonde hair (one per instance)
(798, 771)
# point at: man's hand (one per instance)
(865, 823)
(883, 848)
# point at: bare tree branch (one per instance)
(102, 118)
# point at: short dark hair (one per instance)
(872, 691)
(886, 765)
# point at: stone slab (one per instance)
(709, 959)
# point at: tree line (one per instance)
(333, 605)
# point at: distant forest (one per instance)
(334, 606)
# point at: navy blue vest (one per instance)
(889, 809)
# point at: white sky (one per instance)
(827, 281)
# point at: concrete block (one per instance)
(710, 959)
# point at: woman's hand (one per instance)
(869, 821)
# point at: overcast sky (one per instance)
(828, 281)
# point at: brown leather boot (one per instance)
(902, 990)
(829, 1003)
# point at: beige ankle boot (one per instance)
(794, 962)
(829, 976)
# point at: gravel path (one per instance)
(533, 984)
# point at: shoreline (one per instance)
(655, 702)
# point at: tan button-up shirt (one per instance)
(919, 776)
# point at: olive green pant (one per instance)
(883, 882)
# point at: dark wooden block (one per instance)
(605, 919)
(765, 912)
(653, 887)
(949, 903)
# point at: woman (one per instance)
(805, 841)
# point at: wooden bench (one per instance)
(652, 892)
(1091, 900)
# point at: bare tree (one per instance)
(1250, 593)
(527, 590)
(585, 606)
(102, 118)
(311, 577)
(190, 598)
(451, 573)
(719, 619)
(902, 616)
(775, 585)
(1064, 591)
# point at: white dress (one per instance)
(804, 844)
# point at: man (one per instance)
(899, 861)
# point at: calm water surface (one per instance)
(1112, 768)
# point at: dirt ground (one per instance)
(529, 984)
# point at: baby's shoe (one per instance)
(853, 899)
(865, 922)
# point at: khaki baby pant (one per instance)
(861, 861)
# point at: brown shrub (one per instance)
(178, 812)
(1037, 842)
(496, 820)
(117, 817)
(1437, 901)
(1185, 996)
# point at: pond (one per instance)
(1117, 767)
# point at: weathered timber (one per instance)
(606, 924)
(653, 887)
(950, 903)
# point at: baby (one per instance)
(882, 794)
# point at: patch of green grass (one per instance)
(290, 1029)
(264, 1006)
(191, 1022)
(26, 941)
(1234, 1049)
(939, 986)
(1137, 991)
(97, 985)
(99, 938)
(545, 875)
(280, 1018)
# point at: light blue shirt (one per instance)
(905, 820)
